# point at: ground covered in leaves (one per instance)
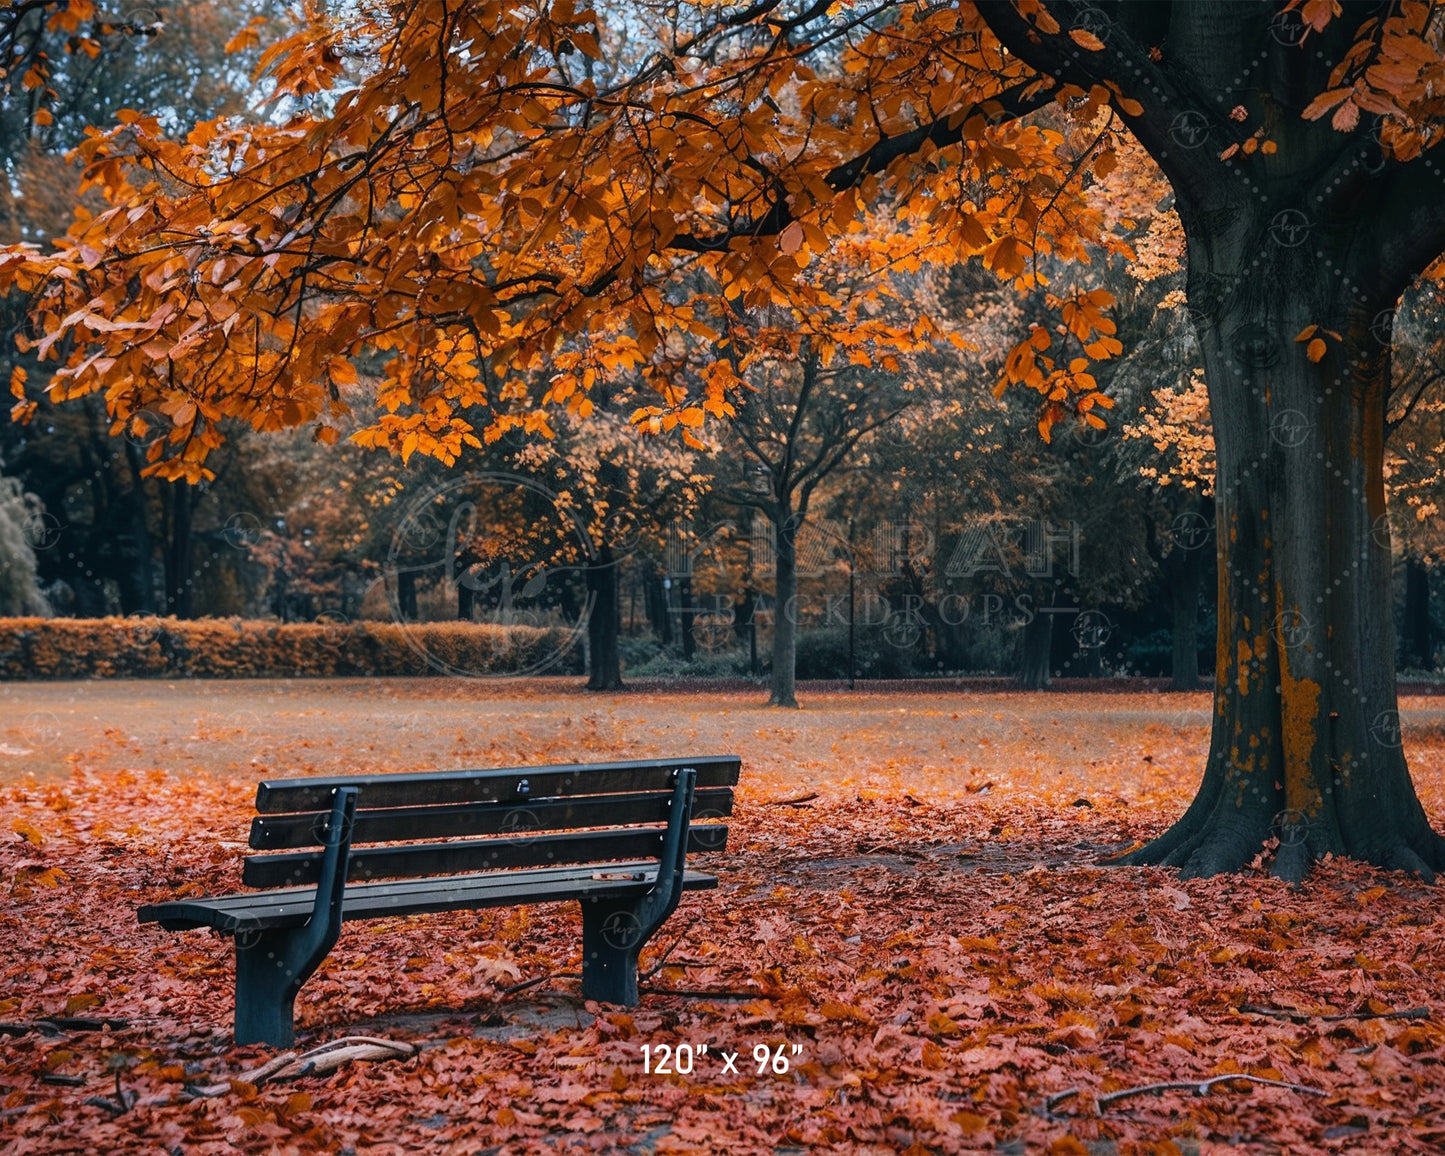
(930, 943)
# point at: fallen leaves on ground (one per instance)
(956, 968)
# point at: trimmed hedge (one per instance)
(39, 648)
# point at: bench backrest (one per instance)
(525, 817)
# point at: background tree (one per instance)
(21, 524)
(126, 543)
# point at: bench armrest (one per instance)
(661, 901)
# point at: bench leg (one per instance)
(265, 991)
(271, 966)
(612, 938)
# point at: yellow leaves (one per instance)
(27, 831)
(82, 1002)
(838, 1011)
(1086, 39)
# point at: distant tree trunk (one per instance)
(604, 620)
(1419, 647)
(405, 596)
(1038, 648)
(466, 598)
(138, 580)
(1182, 574)
(685, 608)
(785, 615)
(659, 607)
(179, 571)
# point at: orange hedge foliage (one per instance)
(236, 648)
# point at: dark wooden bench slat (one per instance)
(289, 831)
(510, 785)
(258, 911)
(296, 868)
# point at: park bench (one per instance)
(614, 836)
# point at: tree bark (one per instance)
(785, 614)
(1419, 647)
(1038, 646)
(1306, 740)
(604, 619)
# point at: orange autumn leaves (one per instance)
(454, 242)
(949, 964)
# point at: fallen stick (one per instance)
(526, 983)
(1198, 1087)
(1203, 1088)
(662, 959)
(316, 1062)
(1299, 1017)
(798, 802)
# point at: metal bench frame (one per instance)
(283, 935)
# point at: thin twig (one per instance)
(1299, 1017)
(692, 993)
(662, 959)
(1204, 1087)
(799, 801)
(526, 983)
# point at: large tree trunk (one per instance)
(1306, 740)
(785, 615)
(1324, 230)
(1419, 649)
(604, 617)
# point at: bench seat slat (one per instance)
(279, 796)
(306, 829)
(297, 868)
(292, 907)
